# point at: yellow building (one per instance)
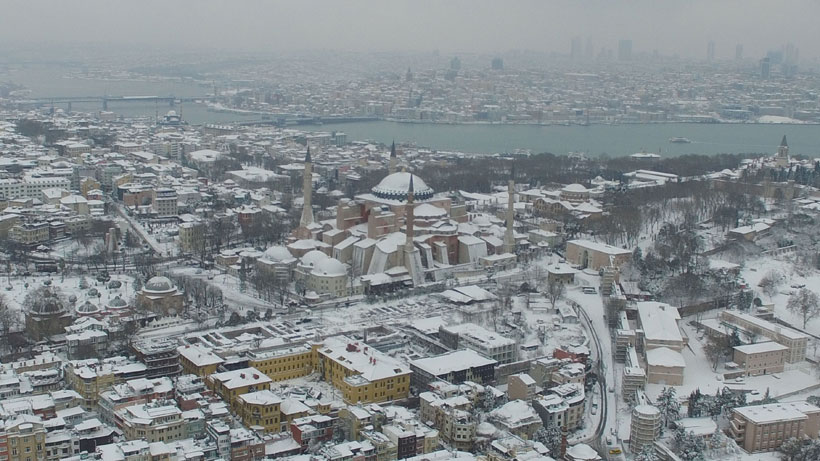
(260, 409)
(362, 374)
(26, 438)
(196, 360)
(90, 377)
(284, 363)
(231, 384)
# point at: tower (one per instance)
(509, 236)
(307, 190)
(782, 157)
(393, 160)
(409, 217)
(411, 255)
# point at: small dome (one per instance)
(158, 284)
(575, 187)
(396, 185)
(117, 303)
(87, 308)
(278, 254)
(312, 257)
(329, 267)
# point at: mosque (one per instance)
(400, 233)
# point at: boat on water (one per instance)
(678, 140)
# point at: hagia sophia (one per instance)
(400, 233)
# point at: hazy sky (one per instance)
(679, 26)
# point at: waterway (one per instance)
(613, 140)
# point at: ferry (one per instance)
(678, 140)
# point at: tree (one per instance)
(770, 283)
(551, 437)
(9, 320)
(689, 446)
(714, 350)
(804, 303)
(555, 291)
(667, 403)
(647, 453)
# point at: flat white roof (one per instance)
(452, 361)
(758, 348)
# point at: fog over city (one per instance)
(670, 27)
(453, 230)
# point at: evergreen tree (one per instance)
(668, 405)
(647, 453)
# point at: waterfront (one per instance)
(613, 140)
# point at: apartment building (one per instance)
(766, 427)
(479, 339)
(760, 358)
(229, 385)
(454, 367)
(793, 339)
(93, 376)
(260, 409)
(159, 421)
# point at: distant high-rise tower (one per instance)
(497, 64)
(575, 48)
(625, 50)
(710, 51)
(739, 52)
(590, 50)
(409, 75)
(765, 68)
(307, 190)
(455, 63)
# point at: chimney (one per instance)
(242, 375)
(255, 376)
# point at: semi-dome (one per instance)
(312, 257)
(396, 185)
(425, 210)
(329, 267)
(158, 284)
(87, 308)
(277, 254)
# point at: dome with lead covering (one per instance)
(396, 185)
(117, 303)
(311, 258)
(329, 267)
(278, 254)
(88, 308)
(159, 284)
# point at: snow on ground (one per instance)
(67, 286)
(698, 374)
(757, 268)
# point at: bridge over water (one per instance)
(171, 100)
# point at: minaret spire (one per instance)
(509, 236)
(409, 216)
(307, 190)
(393, 159)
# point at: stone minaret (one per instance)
(307, 190)
(509, 237)
(409, 217)
(393, 160)
(411, 254)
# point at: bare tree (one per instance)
(9, 320)
(714, 349)
(804, 303)
(555, 291)
(770, 283)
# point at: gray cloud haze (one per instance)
(670, 27)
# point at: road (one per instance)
(591, 310)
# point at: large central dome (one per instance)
(396, 185)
